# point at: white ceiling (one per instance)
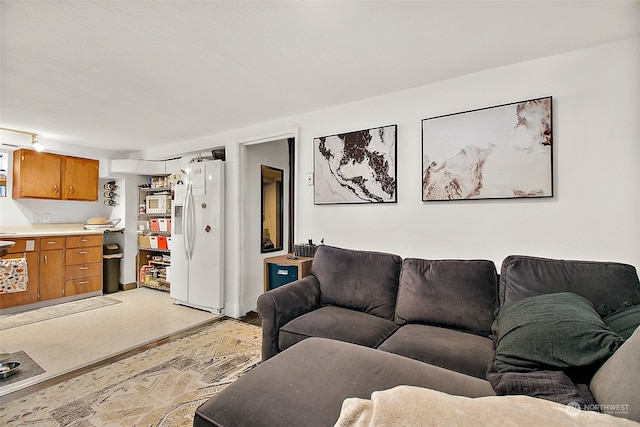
(130, 75)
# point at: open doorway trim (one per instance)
(242, 146)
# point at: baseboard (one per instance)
(128, 286)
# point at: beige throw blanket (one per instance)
(418, 407)
(13, 275)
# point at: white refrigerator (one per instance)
(197, 237)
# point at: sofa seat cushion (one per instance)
(337, 323)
(459, 294)
(456, 350)
(360, 280)
(306, 385)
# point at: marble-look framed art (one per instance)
(356, 167)
(501, 152)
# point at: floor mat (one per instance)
(28, 368)
(8, 321)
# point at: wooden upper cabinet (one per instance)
(51, 176)
(36, 175)
(80, 179)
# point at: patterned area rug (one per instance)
(161, 386)
(8, 321)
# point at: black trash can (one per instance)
(111, 257)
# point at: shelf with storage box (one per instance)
(154, 234)
(283, 269)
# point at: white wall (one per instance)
(596, 136)
(596, 132)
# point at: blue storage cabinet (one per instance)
(282, 274)
(280, 270)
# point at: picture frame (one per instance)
(356, 167)
(500, 152)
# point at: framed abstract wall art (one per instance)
(501, 152)
(356, 167)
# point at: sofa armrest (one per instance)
(279, 306)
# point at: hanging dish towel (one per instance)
(13, 275)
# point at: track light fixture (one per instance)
(34, 142)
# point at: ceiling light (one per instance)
(35, 144)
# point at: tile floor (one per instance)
(64, 344)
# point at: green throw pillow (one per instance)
(624, 321)
(552, 331)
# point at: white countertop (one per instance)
(44, 230)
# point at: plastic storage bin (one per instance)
(282, 274)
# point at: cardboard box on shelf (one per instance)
(144, 241)
(153, 240)
(154, 223)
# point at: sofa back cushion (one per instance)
(459, 294)
(359, 280)
(608, 283)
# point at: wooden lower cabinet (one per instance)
(29, 296)
(51, 274)
(57, 266)
(83, 264)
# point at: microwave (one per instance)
(158, 203)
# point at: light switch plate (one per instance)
(34, 218)
(46, 218)
(309, 179)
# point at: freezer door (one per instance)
(179, 287)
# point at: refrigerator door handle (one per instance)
(192, 222)
(186, 223)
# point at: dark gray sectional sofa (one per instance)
(367, 321)
(438, 312)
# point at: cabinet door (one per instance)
(29, 296)
(51, 274)
(80, 179)
(36, 175)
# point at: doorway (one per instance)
(276, 155)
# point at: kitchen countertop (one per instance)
(45, 230)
